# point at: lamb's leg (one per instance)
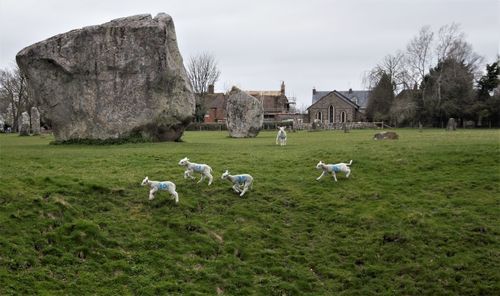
(236, 188)
(175, 195)
(187, 174)
(152, 193)
(348, 173)
(201, 178)
(245, 188)
(322, 174)
(334, 176)
(210, 178)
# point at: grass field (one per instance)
(418, 216)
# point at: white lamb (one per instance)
(163, 185)
(334, 168)
(191, 167)
(281, 137)
(239, 181)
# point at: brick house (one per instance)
(331, 107)
(276, 104)
(215, 103)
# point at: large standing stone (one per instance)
(24, 124)
(245, 114)
(35, 121)
(120, 79)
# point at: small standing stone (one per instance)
(452, 124)
(35, 121)
(24, 124)
(386, 136)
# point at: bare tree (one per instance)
(202, 72)
(419, 54)
(453, 51)
(13, 92)
(393, 66)
(452, 45)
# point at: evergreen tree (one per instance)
(449, 92)
(487, 106)
(490, 81)
(380, 100)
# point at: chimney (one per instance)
(211, 89)
(282, 88)
(350, 91)
(314, 91)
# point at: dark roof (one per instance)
(340, 96)
(358, 97)
(318, 95)
(407, 93)
(216, 100)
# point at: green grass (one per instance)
(419, 216)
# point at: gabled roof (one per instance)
(340, 96)
(318, 95)
(358, 97)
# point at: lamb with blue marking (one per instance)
(192, 167)
(163, 185)
(244, 181)
(334, 169)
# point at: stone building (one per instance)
(332, 107)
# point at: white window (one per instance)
(319, 116)
(343, 116)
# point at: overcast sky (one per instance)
(259, 43)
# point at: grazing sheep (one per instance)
(238, 181)
(334, 168)
(163, 185)
(191, 167)
(281, 137)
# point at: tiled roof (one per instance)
(216, 100)
(358, 97)
(318, 95)
(340, 96)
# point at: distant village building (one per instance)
(331, 107)
(276, 104)
(215, 103)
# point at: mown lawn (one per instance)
(419, 216)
